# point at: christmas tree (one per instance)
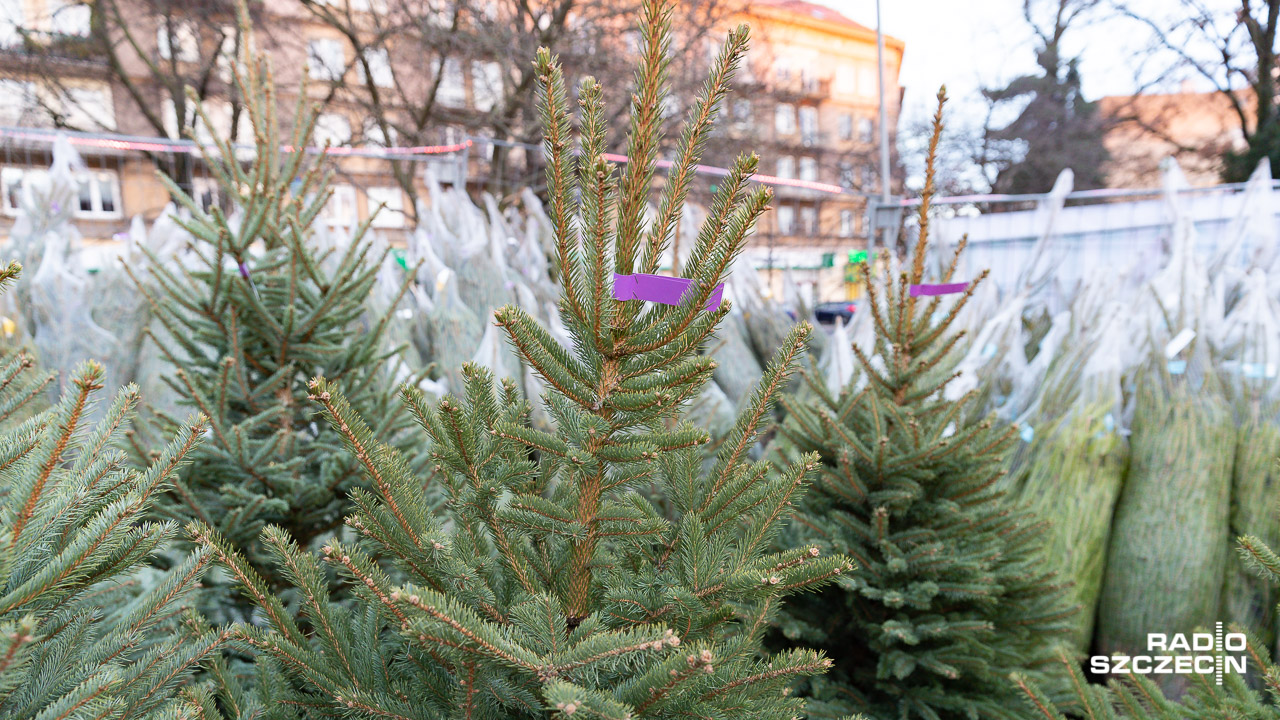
(86, 631)
(1254, 694)
(949, 594)
(593, 571)
(259, 306)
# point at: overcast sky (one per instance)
(967, 45)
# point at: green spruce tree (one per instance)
(256, 310)
(86, 630)
(950, 593)
(596, 571)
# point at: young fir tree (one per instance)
(255, 310)
(85, 630)
(949, 594)
(597, 571)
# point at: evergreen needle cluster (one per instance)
(86, 631)
(599, 570)
(950, 593)
(254, 308)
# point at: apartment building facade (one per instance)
(807, 102)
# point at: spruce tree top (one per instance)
(951, 592)
(598, 570)
(252, 312)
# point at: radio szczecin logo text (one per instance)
(1218, 653)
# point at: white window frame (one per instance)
(28, 175)
(334, 127)
(379, 62)
(808, 124)
(69, 19)
(784, 119)
(848, 223)
(452, 91)
(320, 67)
(392, 215)
(95, 178)
(188, 39)
(785, 221)
(808, 216)
(341, 211)
(844, 126)
(808, 168)
(486, 84)
(786, 167)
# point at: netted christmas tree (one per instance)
(255, 308)
(950, 593)
(595, 571)
(86, 629)
(1252, 695)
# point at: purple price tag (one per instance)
(659, 289)
(949, 289)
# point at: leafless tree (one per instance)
(147, 52)
(1232, 47)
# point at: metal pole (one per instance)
(884, 131)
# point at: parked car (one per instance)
(827, 312)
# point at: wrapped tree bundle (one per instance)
(737, 369)
(1168, 552)
(1248, 599)
(1250, 339)
(455, 331)
(1073, 480)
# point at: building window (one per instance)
(373, 136)
(180, 34)
(809, 125)
(847, 177)
(333, 129)
(340, 211)
(742, 112)
(88, 108)
(845, 126)
(486, 84)
(204, 191)
(786, 167)
(809, 169)
(325, 59)
(866, 129)
(868, 178)
(786, 219)
(452, 91)
(69, 18)
(379, 68)
(847, 223)
(97, 191)
(392, 201)
(868, 82)
(846, 80)
(784, 119)
(809, 221)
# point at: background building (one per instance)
(1196, 128)
(411, 73)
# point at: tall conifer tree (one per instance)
(597, 570)
(258, 307)
(950, 593)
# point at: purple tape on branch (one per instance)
(949, 289)
(244, 271)
(659, 289)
